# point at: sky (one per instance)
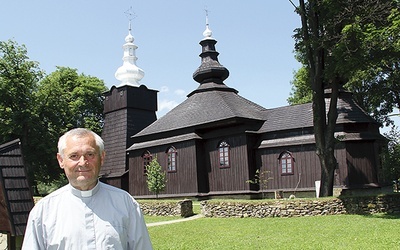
(255, 42)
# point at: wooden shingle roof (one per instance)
(215, 103)
(16, 200)
(211, 102)
(301, 116)
(206, 107)
(349, 111)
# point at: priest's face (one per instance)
(81, 161)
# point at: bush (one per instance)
(45, 188)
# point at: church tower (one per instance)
(128, 108)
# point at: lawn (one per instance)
(151, 219)
(320, 232)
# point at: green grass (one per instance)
(321, 232)
(196, 207)
(151, 219)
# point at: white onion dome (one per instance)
(129, 38)
(207, 33)
(129, 73)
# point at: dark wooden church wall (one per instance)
(114, 133)
(340, 178)
(252, 159)
(235, 176)
(137, 179)
(184, 180)
(306, 169)
(202, 168)
(355, 160)
(138, 119)
(116, 182)
(362, 169)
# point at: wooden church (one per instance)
(214, 142)
(16, 199)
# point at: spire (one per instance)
(207, 33)
(129, 73)
(210, 69)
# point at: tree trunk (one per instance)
(324, 126)
(327, 175)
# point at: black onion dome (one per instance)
(210, 69)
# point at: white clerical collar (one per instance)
(86, 193)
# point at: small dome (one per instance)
(129, 38)
(207, 33)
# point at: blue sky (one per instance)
(254, 41)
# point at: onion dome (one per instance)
(210, 69)
(129, 73)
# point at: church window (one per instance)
(147, 158)
(171, 159)
(286, 161)
(224, 154)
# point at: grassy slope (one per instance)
(322, 232)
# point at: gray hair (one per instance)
(80, 132)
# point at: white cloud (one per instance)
(164, 89)
(166, 105)
(180, 92)
(169, 100)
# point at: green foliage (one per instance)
(337, 39)
(77, 98)
(38, 109)
(391, 157)
(301, 87)
(19, 79)
(261, 179)
(156, 177)
(66, 100)
(365, 52)
(45, 188)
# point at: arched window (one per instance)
(171, 159)
(147, 158)
(286, 161)
(223, 154)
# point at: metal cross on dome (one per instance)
(130, 14)
(206, 10)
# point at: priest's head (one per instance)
(81, 155)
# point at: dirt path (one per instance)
(194, 217)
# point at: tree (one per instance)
(65, 100)
(261, 179)
(301, 89)
(19, 80)
(329, 44)
(391, 157)
(377, 84)
(156, 178)
(78, 100)
(375, 81)
(38, 109)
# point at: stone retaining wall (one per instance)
(292, 208)
(181, 208)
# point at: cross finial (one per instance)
(130, 14)
(206, 10)
(207, 33)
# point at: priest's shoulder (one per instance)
(113, 189)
